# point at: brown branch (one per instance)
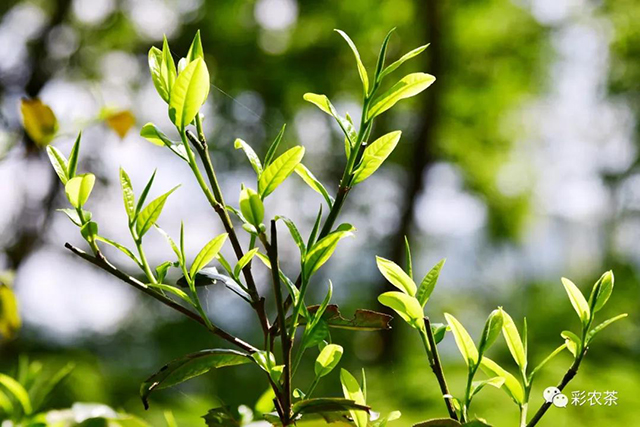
(257, 303)
(272, 251)
(568, 376)
(101, 262)
(436, 367)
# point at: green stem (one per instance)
(523, 414)
(143, 259)
(312, 387)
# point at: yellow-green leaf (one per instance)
(120, 122)
(150, 214)
(310, 179)
(322, 251)
(514, 342)
(279, 170)
(396, 275)
(391, 68)
(328, 359)
(375, 154)
(254, 160)
(207, 254)
(511, 385)
(127, 194)
(79, 188)
(59, 163)
(39, 121)
(429, 283)
(407, 87)
(361, 69)
(351, 390)
(579, 303)
(17, 391)
(9, 315)
(463, 340)
(251, 206)
(406, 306)
(189, 92)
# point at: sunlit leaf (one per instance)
(362, 320)
(572, 341)
(190, 366)
(150, 214)
(279, 170)
(407, 87)
(514, 342)
(396, 275)
(242, 262)
(320, 253)
(59, 163)
(73, 157)
(580, 304)
(195, 50)
(254, 160)
(351, 390)
(491, 331)
(511, 385)
(553, 354)
(120, 247)
(163, 70)
(128, 195)
(375, 154)
(271, 152)
(17, 391)
(189, 92)
(476, 386)
(406, 306)
(251, 206)
(322, 102)
(295, 234)
(394, 65)
(463, 340)
(429, 283)
(603, 325)
(313, 182)
(73, 215)
(207, 253)
(39, 121)
(328, 359)
(79, 188)
(361, 69)
(601, 292)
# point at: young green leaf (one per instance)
(89, 231)
(382, 55)
(406, 306)
(328, 359)
(163, 70)
(79, 188)
(173, 245)
(603, 325)
(189, 92)
(491, 330)
(207, 253)
(73, 215)
(279, 170)
(351, 390)
(361, 69)
(173, 290)
(271, 152)
(72, 169)
(128, 195)
(374, 155)
(396, 276)
(463, 340)
(573, 342)
(295, 234)
(145, 193)
(190, 366)
(407, 87)
(407, 258)
(580, 304)
(154, 135)
(314, 230)
(313, 182)
(601, 292)
(411, 54)
(514, 342)
(553, 354)
(242, 262)
(195, 50)
(322, 102)
(429, 283)
(254, 160)
(511, 385)
(150, 214)
(320, 252)
(59, 163)
(120, 247)
(476, 386)
(251, 206)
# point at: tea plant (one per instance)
(409, 303)
(185, 88)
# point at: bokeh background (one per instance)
(519, 165)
